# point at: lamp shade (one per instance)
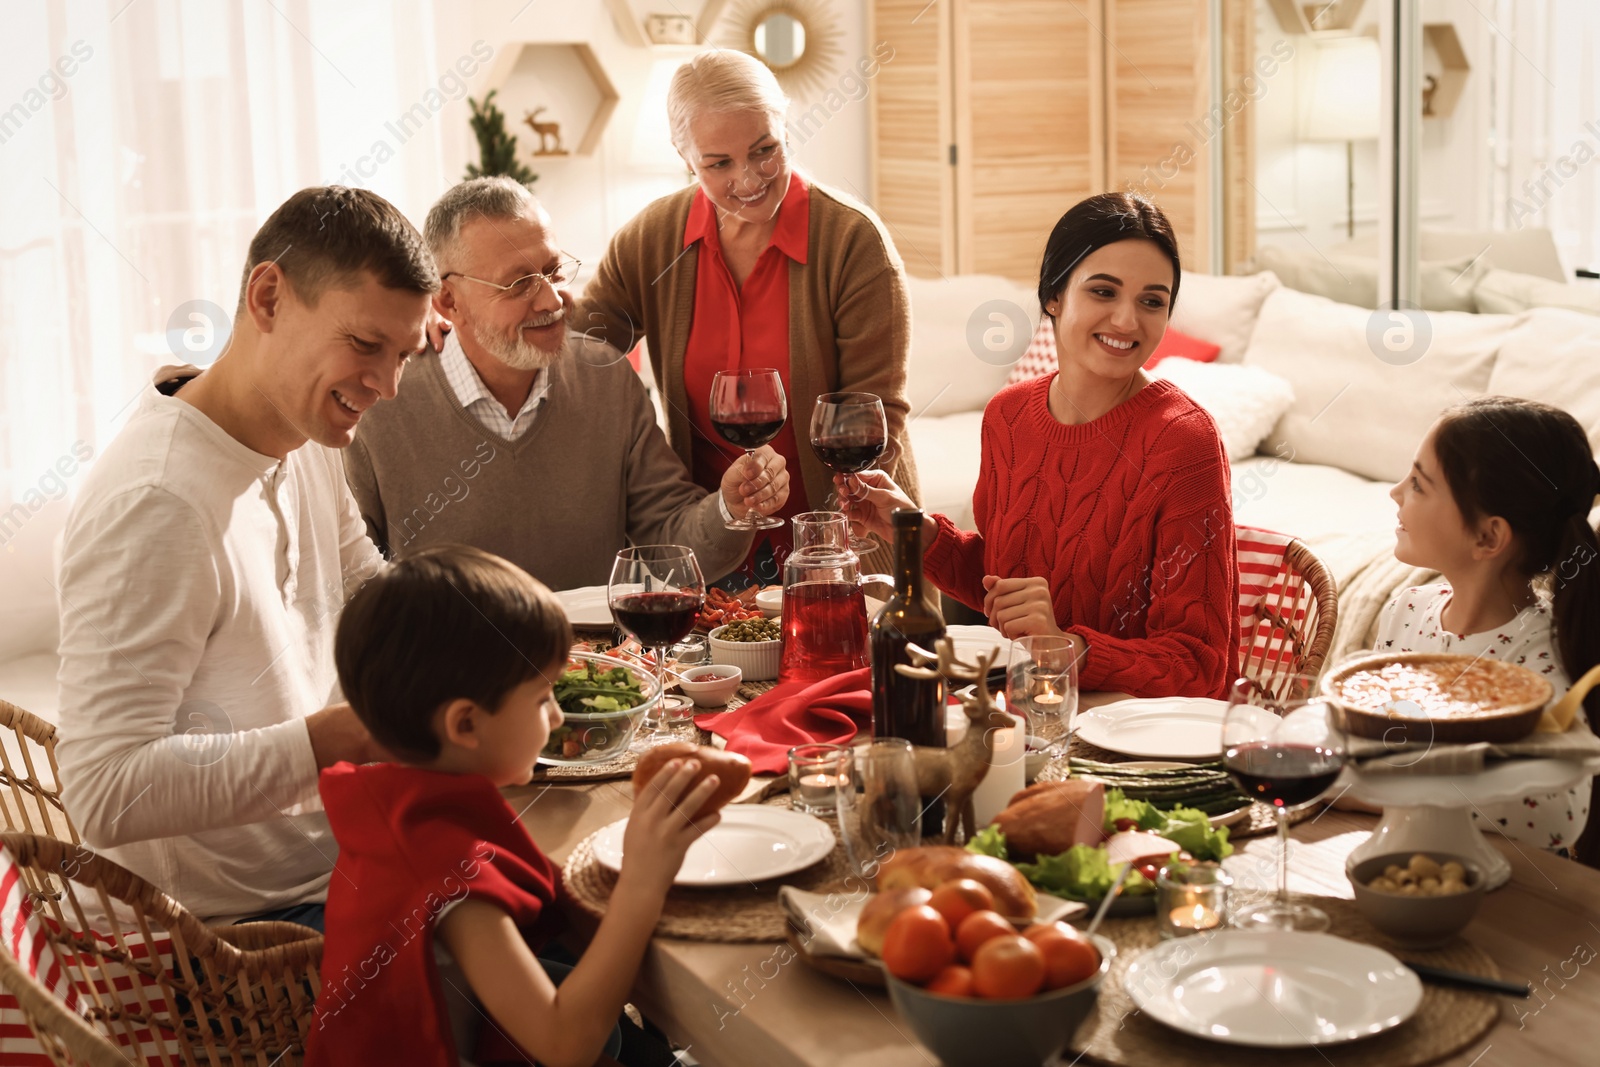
(1340, 99)
(651, 146)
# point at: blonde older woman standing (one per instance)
(755, 266)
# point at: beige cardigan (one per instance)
(849, 320)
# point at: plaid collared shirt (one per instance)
(477, 399)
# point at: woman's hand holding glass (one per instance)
(756, 484)
(871, 498)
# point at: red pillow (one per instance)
(1183, 346)
(1040, 357)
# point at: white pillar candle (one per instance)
(1006, 773)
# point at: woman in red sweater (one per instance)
(1103, 500)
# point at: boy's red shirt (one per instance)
(410, 842)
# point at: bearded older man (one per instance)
(526, 440)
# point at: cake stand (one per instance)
(1433, 812)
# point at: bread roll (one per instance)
(732, 771)
(933, 865)
(880, 910)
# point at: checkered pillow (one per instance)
(1040, 357)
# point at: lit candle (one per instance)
(1194, 917)
(1049, 696)
(817, 791)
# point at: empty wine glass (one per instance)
(1042, 687)
(655, 593)
(1286, 753)
(879, 808)
(849, 433)
(748, 408)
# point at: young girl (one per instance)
(1498, 502)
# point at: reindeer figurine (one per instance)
(955, 772)
(547, 132)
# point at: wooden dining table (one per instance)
(741, 1004)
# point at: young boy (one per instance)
(448, 658)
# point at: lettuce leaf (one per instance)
(1080, 873)
(989, 841)
(1188, 827)
(1118, 806)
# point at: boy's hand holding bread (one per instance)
(678, 791)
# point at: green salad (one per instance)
(588, 688)
(1082, 871)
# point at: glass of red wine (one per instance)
(748, 409)
(849, 433)
(1287, 753)
(655, 593)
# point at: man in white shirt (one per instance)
(206, 561)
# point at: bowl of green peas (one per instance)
(752, 645)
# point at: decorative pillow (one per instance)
(1245, 402)
(1347, 279)
(1040, 358)
(1352, 409)
(1505, 293)
(1176, 343)
(967, 332)
(1222, 308)
(1550, 357)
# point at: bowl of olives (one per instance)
(1420, 899)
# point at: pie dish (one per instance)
(1427, 696)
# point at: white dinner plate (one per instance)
(586, 607)
(1273, 988)
(974, 641)
(752, 842)
(1183, 728)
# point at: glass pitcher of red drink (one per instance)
(824, 608)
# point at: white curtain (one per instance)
(1546, 148)
(142, 142)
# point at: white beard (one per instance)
(518, 354)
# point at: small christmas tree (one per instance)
(497, 149)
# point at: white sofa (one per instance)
(1324, 471)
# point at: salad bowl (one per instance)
(603, 699)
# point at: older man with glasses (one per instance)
(524, 438)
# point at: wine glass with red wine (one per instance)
(655, 593)
(849, 433)
(1286, 753)
(748, 409)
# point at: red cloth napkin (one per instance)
(831, 711)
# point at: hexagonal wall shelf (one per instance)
(1453, 68)
(566, 80)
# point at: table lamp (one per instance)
(1340, 102)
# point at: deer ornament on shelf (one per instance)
(954, 773)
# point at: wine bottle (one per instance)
(906, 707)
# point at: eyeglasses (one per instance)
(566, 269)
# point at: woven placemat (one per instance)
(748, 912)
(1447, 1021)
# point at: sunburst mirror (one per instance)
(799, 40)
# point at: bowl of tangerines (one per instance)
(978, 983)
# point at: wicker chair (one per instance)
(27, 804)
(213, 995)
(1290, 628)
